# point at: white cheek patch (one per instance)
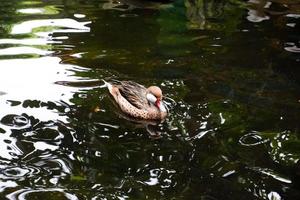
(151, 98)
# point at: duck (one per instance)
(137, 101)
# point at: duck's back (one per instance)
(134, 93)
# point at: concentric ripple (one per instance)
(15, 121)
(52, 193)
(252, 139)
(18, 172)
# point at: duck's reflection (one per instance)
(153, 127)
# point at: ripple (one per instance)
(271, 173)
(31, 11)
(256, 16)
(15, 172)
(160, 176)
(18, 172)
(53, 193)
(44, 146)
(293, 49)
(19, 86)
(8, 147)
(252, 139)
(79, 16)
(296, 16)
(2, 130)
(28, 41)
(129, 15)
(23, 50)
(274, 196)
(153, 180)
(7, 184)
(46, 10)
(28, 26)
(52, 164)
(15, 121)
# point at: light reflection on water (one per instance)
(29, 41)
(69, 25)
(32, 11)
(46, 71)
(23, 50)
(27, 112)
(230, 134)
(30, 193)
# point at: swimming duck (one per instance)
(138, 101)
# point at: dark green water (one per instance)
(231, 66)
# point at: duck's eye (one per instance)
(151, 98)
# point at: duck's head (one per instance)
(154, 96)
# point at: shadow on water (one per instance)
(230, 66)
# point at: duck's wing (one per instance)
(134, 93)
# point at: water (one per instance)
(231, 66)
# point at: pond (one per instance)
(231, 67)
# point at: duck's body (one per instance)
(137, 101)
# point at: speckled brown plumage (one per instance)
(131, 98)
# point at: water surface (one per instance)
(231, 66)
